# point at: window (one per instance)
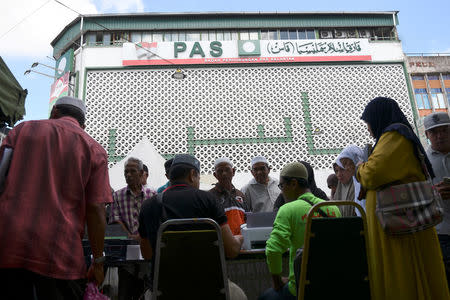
(446, 76)
(157, 37)
(273, 35)
(136, 37)
(422, 99)
(447, 90)
(302, 34)
(284, 35)
(182, 36)
(437, 97)
(219, 35)
(254, 35)
(310, 34)
(234, 35)
(433, 77)
(243, 35)
(174, 37)
(227, 36)
(90, 38)
(204, 36)
(106, 38)
(292, 34)
(212, 35)
(417, 77)
(264, 35)
(147, 36)
(118, 38)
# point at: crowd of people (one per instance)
(50, 196)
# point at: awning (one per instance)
(12, 97)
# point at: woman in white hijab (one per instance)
(348, 187)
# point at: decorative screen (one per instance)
(285, 113)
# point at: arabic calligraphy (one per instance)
(314, 47)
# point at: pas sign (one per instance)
(254, 51)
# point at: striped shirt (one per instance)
(126, 207)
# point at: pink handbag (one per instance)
(92, 293)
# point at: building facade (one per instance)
(289, 86)
(430, 77)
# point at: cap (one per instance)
(435, 120)
(258, 159)
(66, 100)
(294, 169)
(222, 160)
(186, 159)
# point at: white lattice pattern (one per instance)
(225, 106)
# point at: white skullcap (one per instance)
(258, 159)
(222, 160)
(66, 100)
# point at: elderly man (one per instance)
(437, 129)
(128, 200)
(125, 211)
(289, 228)
(183, 199)
(57, 183)
(262, 191)
(232, 199)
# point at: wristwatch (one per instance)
(99, 260)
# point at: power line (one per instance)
(107, 29)
(24, 19)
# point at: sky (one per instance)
(27, 28)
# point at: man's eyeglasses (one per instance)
(282, 184)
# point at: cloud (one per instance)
(122, 6)
(32, 37)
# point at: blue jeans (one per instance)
(283, 294)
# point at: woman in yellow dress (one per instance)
(403, 267)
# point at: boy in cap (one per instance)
(183, 199)
(262, 191)
(437, 129)
(289, 228)
(232, 199)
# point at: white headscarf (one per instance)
(355, 154)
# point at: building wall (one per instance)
(285, 112)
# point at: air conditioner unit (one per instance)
(364, 33)
(339, 34)
(326, 34)
(351, 33)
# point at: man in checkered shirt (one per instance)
(125, 210)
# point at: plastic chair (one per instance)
(334, 263)
(190, 261)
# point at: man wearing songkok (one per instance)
(437, 129)
(183, 199)
(56, 185)
(232, 199)
(289, 228)
(262, 191)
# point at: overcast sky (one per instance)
(28, 26)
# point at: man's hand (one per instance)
(240, 239)
(95, 273)
(444, 189)
(134, 237)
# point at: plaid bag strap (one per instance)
(423, 165)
